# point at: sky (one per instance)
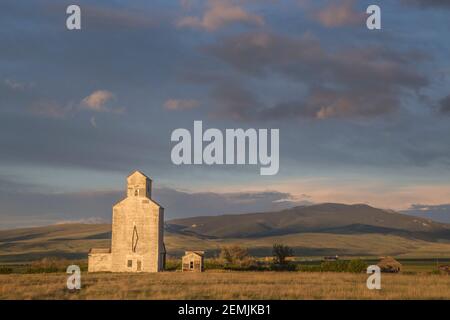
(364, 115)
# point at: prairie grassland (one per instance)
(225, 285)
(73, 241)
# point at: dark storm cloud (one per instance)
(183, 204)
(428, 3)
(45, 206)
(324, 103)
(9, 185)
(235, 101)
(444, 105)
(115, 43)
(95, 14)
(117, 17)
(355, 81)
(305, 59)
(136, 52)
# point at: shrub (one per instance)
(172, 264)
(354, 266)
(334, 266)
(247, 264)
(213, 263)
(283, 267)
(445, 269)
(280, 253)
(233, 254)
(6, 270)
(309, 268)
(53, 265)
(357, 266)
(434, 272)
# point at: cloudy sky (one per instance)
(364, 116)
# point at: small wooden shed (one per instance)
(193, 261)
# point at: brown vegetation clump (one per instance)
(51, 265)
(389, 264)
(233, 254)
(444, 269)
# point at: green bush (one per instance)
(213, 263)
(237, 267)
(309, 268)
(172, 264)
(357, 266)
(283, 267)
(354, 266)
(6, 270)
(334, 266)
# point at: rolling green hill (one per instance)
(321, 218)
(317, 230)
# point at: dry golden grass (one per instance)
(225, 285)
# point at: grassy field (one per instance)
(225, 285)
(21, 252)
(73, 242)
(303, 264)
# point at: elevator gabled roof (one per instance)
(137, 172)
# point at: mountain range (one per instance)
(321, 218)
(315, 230)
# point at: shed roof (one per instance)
(197, 252)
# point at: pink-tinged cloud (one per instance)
(339, 14)
(50, 109)
(220, 13)
(96, 101)
(353, 190)
(359, 81)
(181, 104)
